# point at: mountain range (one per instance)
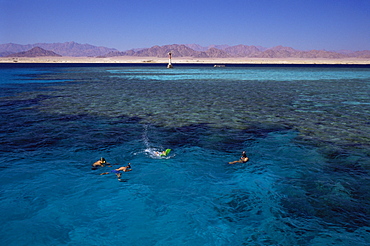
(226, 51)
(64, 49)
(178, 50)
(35, 52)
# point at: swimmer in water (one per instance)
(100, 163)
(243, 159)
(118, 171)
(160, 153)
(163, 153)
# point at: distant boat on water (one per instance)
(219, 66)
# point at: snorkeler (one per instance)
(243, 159)
(163, 153)
(100, 163)
(118, 170)
(160, 153)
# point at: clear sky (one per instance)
(126, 24)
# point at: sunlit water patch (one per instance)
(307, 181)
(227, 74)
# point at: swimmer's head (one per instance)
(129, 165)
(244, 153)
(102, 160)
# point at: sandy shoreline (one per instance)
(128, 59)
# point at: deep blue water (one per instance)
(306, 130)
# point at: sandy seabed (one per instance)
(218, 61)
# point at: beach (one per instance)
(181, 60)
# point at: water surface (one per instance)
(306, 131)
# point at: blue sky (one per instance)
(123, 24)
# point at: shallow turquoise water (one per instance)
(305, 129)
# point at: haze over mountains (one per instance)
(73, 49)
(64, 49)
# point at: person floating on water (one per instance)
(118, 170)
(100, 163)
(243, 159)
(163, 153)
(160, 153)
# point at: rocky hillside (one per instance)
(181, 50)
(35, 52)
(235, 51)
(64, 49)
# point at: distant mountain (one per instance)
(210, 53)
(64, 49)
(220, 47)
(196, 47)
(346, 52)
(183, 50)
(243, 50)
(159, 51)
(361, 54)
(177, 50)
(180, 50)
(10, 48)
(34, 52)
(5, 53)
(162, 51)
(215, 53)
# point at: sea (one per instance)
(305, 129)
